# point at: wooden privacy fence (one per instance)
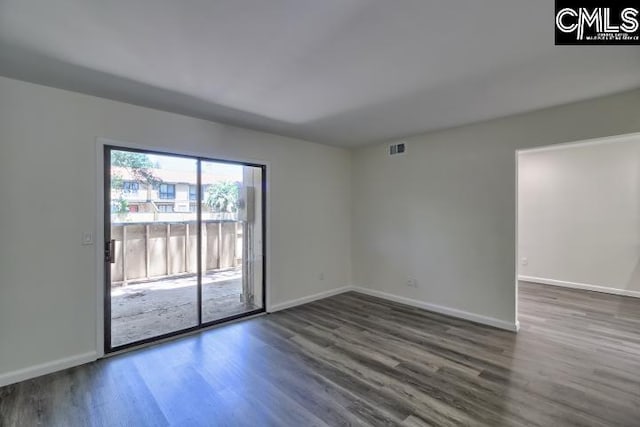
(155, 250)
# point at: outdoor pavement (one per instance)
(145, 310)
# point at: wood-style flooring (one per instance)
(357, 360)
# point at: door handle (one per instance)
(110, 251)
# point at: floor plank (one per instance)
(358, 360)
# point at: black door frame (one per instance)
(107, 148)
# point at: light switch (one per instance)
(87, 238)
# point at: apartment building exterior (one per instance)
(173, 196)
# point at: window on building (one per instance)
(165, 208)
(193, 193)
(167, 191)
(130, 187)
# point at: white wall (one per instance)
(579, 214)
(444, 213)
(48, 198)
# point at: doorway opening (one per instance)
(578, 220)
(184, 244)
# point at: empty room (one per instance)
(297, 213)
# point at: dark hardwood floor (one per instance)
(358, 360)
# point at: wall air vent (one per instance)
(396, 148)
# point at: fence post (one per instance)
(166, 246)
(186, 247)
(219, 244)
(234, 252)
(124, 255)
(204, 244)
(147, 250)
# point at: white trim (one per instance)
(309, 298)
(266, 211)
(581, 143)
(99, 242)
(516, 250)
(582, 286)
(453, 312)
(465, 315)
(46, 368)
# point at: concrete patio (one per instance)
(153, 308)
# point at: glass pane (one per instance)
(231, 240)
(154, 224)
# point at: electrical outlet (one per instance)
(524, 261)
(412, 283)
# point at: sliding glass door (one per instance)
(184, 244)
(231, 233)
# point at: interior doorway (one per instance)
(184, 244)
(578, 217)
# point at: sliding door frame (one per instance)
(105, 147)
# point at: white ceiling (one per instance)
(342, 72)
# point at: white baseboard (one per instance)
(582, 286)
(46, 368)
(490, 321)
(307, 299)
(69, 362)
(453, 312)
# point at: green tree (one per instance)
(119, 205)
(141, 169)
(223, 196)
(138, 164)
